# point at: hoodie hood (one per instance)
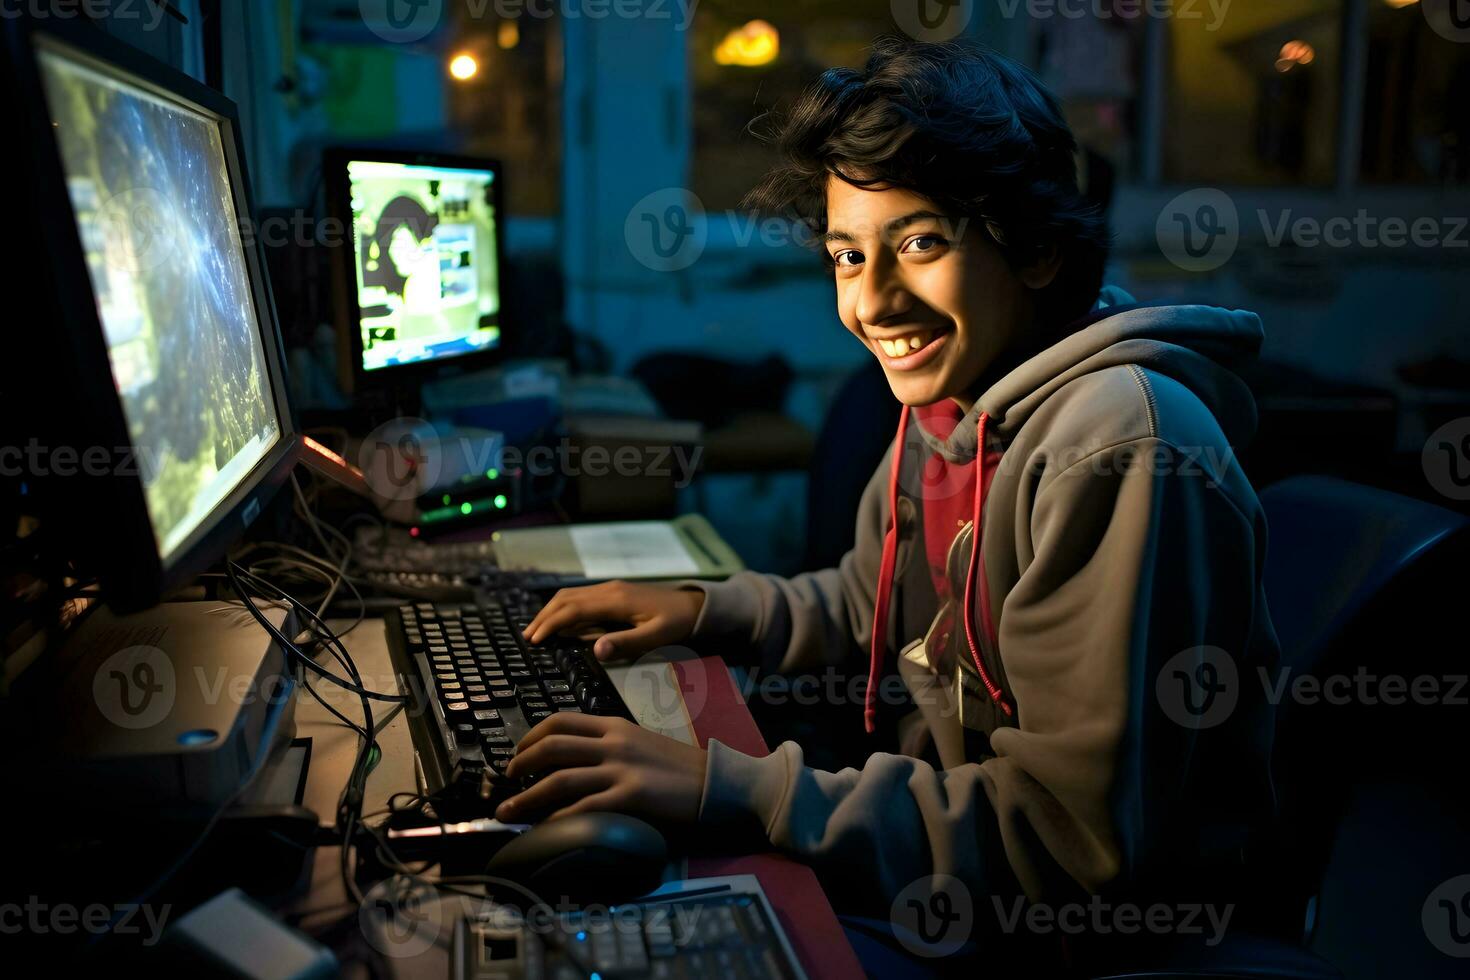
(1198, 346)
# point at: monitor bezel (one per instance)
(104, 517)
(353, 377)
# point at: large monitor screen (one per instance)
(428, 281)
(157, 216)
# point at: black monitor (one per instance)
(162, 375)
(419, 272)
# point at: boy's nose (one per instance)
(882, 294)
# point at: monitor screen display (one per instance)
(428, 281)
(156, 213)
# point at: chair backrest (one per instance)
(855, 434)
(1365, 586)
(1335, 546)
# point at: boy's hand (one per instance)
(658, 616)
(604, 765)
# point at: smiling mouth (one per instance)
(911, 349)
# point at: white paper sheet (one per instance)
(635, 549)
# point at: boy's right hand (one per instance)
(657, 614)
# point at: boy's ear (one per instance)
(1043, 268)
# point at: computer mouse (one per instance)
(584, 858)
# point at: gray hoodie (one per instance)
(1121, 557)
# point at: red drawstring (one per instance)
(885, 580)
(991, 687)
(890, 559)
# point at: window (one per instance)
(1092, 65)
(745, 60)
(1416, 119)
(480, 85)
(510, 108)
(1253, 99)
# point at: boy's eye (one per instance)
(924, 243)
(848, 257)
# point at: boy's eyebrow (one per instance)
(889, 227)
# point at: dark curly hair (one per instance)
(970, 130)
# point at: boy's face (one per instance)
(931, 296)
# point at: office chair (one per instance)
(855, 434)
(1359, 580)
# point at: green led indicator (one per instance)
(465, 507)
(446, 499)
(492, 474)
(500, 501)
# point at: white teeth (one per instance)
(905, 345)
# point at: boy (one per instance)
(1120, 546)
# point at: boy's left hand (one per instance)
(588, 763)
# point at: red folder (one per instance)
(718, 711)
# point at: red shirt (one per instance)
(948, 493)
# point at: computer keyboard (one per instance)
(477, 687)
(718, 927)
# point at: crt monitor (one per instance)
(171, 347)
(419, 270)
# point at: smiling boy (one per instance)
(1057, 417)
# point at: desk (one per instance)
(792, 888)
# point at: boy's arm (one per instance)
(1132, 565)
(815, 619)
